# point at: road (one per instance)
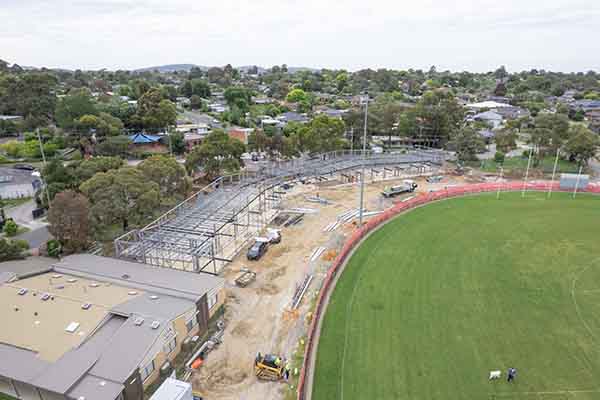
(36, 237)
(38, 229)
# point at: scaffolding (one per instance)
(208, 229)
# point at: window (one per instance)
(147, 370)
(191, 323)
(171, 345)
(212, 301)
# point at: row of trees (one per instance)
(91, 196)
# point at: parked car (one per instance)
(435, 179)
(258, 249)
(26, 167)
(274, 235)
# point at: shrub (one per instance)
(54, 248)
(10, 250)
(21, 243)
(10, 228)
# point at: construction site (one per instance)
(206, 231)
(314, 206)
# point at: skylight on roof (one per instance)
(72, 327)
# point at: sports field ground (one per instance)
(440, 296)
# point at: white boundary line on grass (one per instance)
(574, 298)
(348, 312)
(508, 394)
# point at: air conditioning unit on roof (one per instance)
(139, 321)
(155, 324)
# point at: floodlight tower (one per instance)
(364, 151)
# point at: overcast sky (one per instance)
(476, 35)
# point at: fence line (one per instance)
(378, 220)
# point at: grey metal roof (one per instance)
(20, 364)
(488, 115)
(74, 364)
(6, 276)
(126, 350)
(166, 281)
(94, 388)
(163, 307)
(12, 176)
(29, 266)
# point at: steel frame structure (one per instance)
(208, 229)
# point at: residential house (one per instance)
(97, 328)
(291, 116)
(142, 142)
(492, 118)
(16, 183)
(487, 135)
(12, 118)
(240, 134)
(512, 112)
(331, 112)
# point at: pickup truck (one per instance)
(407, 186)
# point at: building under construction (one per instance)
(208, 229)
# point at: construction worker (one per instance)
(512, 374)
(286, 372)
(278, 362)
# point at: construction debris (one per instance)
(316, 253)
(300, 290)
(301, 210)
(294, 220)
(317, 199)
(245, 278)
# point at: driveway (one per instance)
(38, 229)
(23, 216)
(35, 237)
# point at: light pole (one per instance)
(362, 173)
(44, 159)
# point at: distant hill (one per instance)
(171, 68)
(187, 67)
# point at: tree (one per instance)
(237, 96)
(467, 143)
(296, 96)
(121, 196)
(195, 102)
(154, 111)
(88, 168)
(73, 106)
(500, 89)
(499, 157)
(322, 134)
(30, 94)
(549, 133)
(177, 142)
(217, 153)
(114, 146)
(69, 218)
(169, 175)
(438, 114)
(506, 141)
(582, 144)
(200, 88)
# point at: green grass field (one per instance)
(440, 296)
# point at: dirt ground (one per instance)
(257, 317)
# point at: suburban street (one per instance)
(38, 228)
